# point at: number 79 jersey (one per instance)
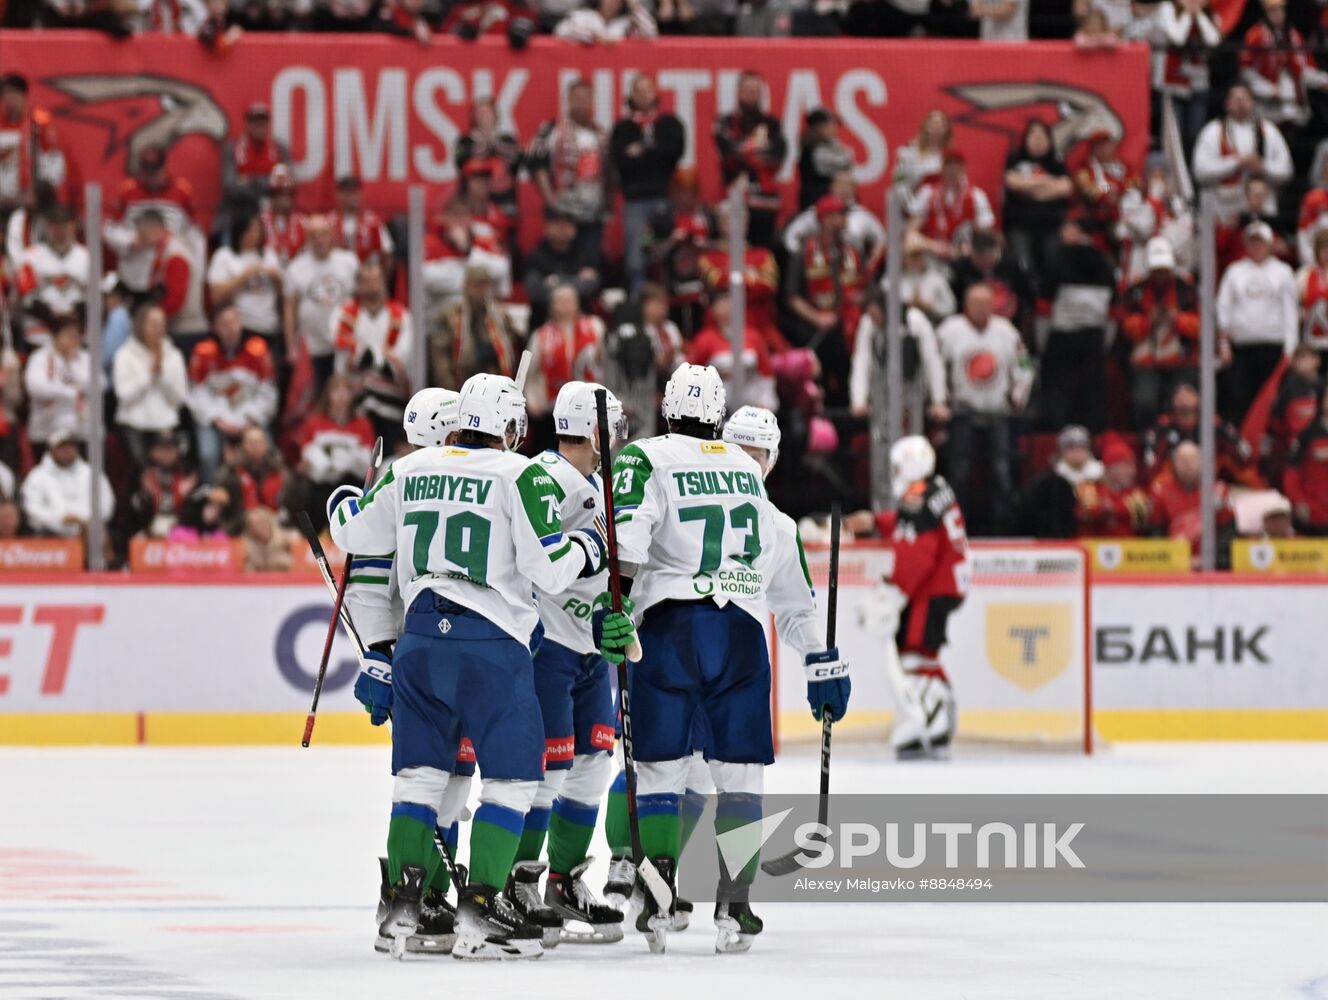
(693, 521)
(477, 525)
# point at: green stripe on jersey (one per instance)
(802, 558)
(375, 581)
(387, 479)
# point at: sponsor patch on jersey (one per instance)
(559, 749)
(601, 737)
(713, 448)
(466, 751)
(456, 451)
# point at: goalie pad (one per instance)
(930, 691)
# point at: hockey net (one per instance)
(1018, 655)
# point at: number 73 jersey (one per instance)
(693, 521)
(477, 525)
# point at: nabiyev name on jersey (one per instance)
(717, 482)
(453, 489)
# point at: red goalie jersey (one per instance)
(931, 563)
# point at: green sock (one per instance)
(570, 828)
(494, 837)
(733, 811)
(616, 830)
(532, 834)
(410, 842)
(661, 826)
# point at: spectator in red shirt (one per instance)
(248, 159)
(1306, 478)
(335, 443)
(569, 347)
(1235, 461)
(485, 144)
(163, 487)
(254, 472)
(1160, 318)
(760, 279)
(33, 151)
(948, 209)
(1114, 506)
(285, 228)
(233, 385)
(1176, 498)
(152, 185)
(1100, 183)
(357, 228)
(752, 380)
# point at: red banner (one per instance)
(392, 110)
(156, 555)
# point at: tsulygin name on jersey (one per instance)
(455, 489)
(716, 483)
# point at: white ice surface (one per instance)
(250, 873)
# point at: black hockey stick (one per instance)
(374, 462)
(659, 889)
(329, 581)
(787, 864)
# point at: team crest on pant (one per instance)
(1030, 644)
(444, 626)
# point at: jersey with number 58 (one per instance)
(478, 525)
(693, 521)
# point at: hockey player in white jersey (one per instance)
(792, 602)
(576, 697)
(699, 546)
(373, 602)
(476, 528)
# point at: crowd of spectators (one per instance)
(252, 352)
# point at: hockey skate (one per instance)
(490, 928)
(651, 921)
(620, 883)
(735, 923)
(524, 892)
(402, 919)
(585, 919)
(437, 930)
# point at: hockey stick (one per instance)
(329, 581)
(659, 889)
(787, 864)
(337, 602)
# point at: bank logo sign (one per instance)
(1030, 645)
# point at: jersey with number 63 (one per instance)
(477, 525)
(566, 616)
(693, 521)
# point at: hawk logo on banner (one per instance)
(1030, 645)
(1005, 107)
(150, 110)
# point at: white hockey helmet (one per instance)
(694, 392)
(911, 459)
(755, 427)
(430, 416)
(493, 405)
(574, 413)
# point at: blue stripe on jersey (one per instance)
(371, 563)
(549, 540)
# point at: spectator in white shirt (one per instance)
(1258, 319)
(320, 278)
(923, 370)
(57, 495)
(150, 382)
(1001, 20)
(374, 340)
(605, 22)
(52, 276)
(1238, 145)
(989, 380)
(247, 274)
(56, 380)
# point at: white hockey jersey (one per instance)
(478, 525)
(789, 592)
(693, 521)
(566, 615)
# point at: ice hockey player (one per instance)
(575, 695)
(477, 528)
(373, 602)
(927, 582)
(698, 544)
(789, 592)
